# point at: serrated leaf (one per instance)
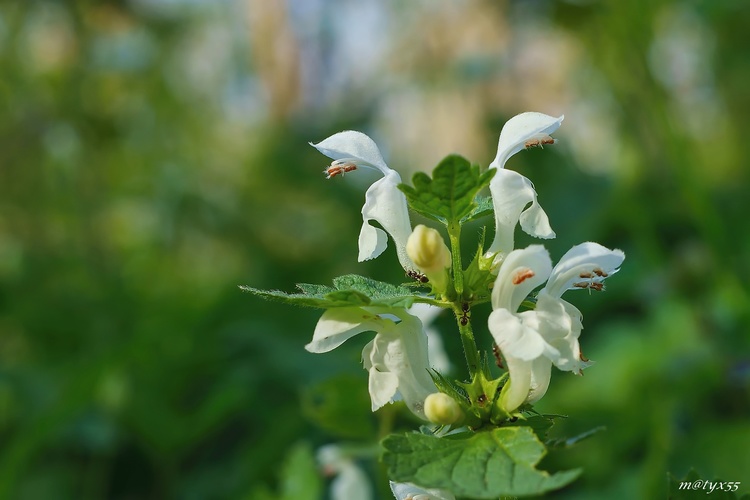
(540, 424)
(349, 290)
(448, 196)
(483, 207)
(474, 464)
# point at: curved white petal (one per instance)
(541, 371)
(436, 350)
(560, 326)
(408, 491)
(520, 129)
(351, 482)
(583, 263)
(398, 363)
(353, 146)
(385, 204)
(339, 324)
(520, 272)
(382, 385)
(513, 337)
(516, 390)
(511, 193)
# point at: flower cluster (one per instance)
(531, 341)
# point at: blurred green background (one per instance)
(153, 156)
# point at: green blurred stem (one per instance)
(467, 334)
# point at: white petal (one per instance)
(514, 338)
(520, 129)
(438, 357)
(382, 384)
(560, 326)
(520, 272)
(541, 369)
(385, 204)
(516, 390)
(354, 146)
(339, 324)
(351, 482)
(511, 192)
(582, 261)
(408, 491)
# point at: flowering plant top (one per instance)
(484, 439)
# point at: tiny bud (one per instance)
(442, 409)
(427, 250)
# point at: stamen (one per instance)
(539, 142)
(581, 284)
(522, 276)
(600, 273)
(586, 275)
(337, 168)
(583, 358)
(596, 285)
(496, 353)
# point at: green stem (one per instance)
(467, 340)
(467, 334)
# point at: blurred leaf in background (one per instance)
(153, 156)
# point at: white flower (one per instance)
(511, 191)
(351, 481)
(396, 358)
(408, 491)
(427, 313)
(532, 341)
(384, 203)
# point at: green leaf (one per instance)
(299, 475)
(449, 195)
(340, 406)
(347, 291)
(474, 464)
(483, 208)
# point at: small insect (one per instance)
(465, 316)
(498, 358)
(539, 142)
(522, 276)
(416, 275)
(338, 169)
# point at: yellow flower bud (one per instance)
(439, 408)
(427, 250)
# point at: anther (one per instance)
(600, 273)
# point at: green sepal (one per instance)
(478, 276)
(472, 417)
(449, 195)
(483, 392)
(349, 290)
(487, 464)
